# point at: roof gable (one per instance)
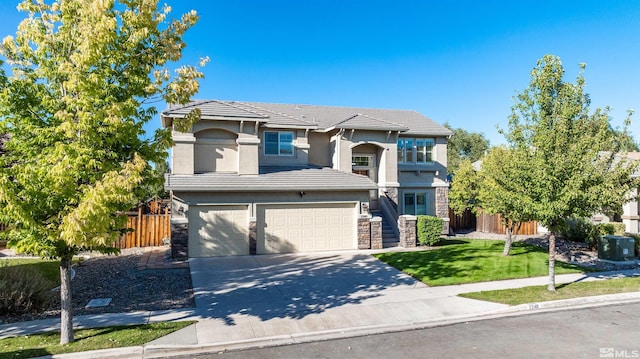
(316, 117)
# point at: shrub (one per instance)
(23, 289)
(577, 229)
(636, 238)
(601, 229)
(618, 228)
(429, 230)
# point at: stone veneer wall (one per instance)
(376, 233)
(442, 207)
(179, 240)
(407, 229)
(392, 193)
(442, 202)
(364, 233)
(253, 236)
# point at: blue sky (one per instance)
(454, 61)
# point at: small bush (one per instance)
(636, 238)
(429, 230)
(577, 229)
(618, 228)
(23, 289)
(601, 229)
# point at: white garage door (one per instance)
(218, 231)
(306, 228)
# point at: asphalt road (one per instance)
(604, 332)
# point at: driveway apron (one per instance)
(290, 285)
(248, 297)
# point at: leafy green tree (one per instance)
(464, 145)
(624, 138)
(496, 188)
(83, 75)
(503, 178)
(153, 184)
(572, 154)
(463, 194)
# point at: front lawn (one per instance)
(563, 291)
(30, 346)
(50, 269)
(459, 261)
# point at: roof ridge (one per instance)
(279, 113)
(190, 104)
(233, 104)
(370, 117)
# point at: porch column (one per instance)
(179, 239)
(442, 207)
(376, 233)
(407, 229)
(364, 232)
(183, 149)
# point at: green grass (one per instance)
(563, 291)
(472, 260)
(50, 269)
(86, 339)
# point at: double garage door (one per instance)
(281, 228)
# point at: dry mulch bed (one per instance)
(131, 289)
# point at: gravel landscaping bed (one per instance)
(130, 289)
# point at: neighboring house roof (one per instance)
(316, 117)
(273, 178)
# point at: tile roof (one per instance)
(318, 117)
(363, 122)
(272, 178)
(214, 108)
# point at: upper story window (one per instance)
(278, 143)
(415, 150)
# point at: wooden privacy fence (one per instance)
(493, 224)
(467, 220)
(147, 230)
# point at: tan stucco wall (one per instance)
(252, 198)
(182, 161)
(216, 146)
(384, 145)
(215, 151)
(320, 151)
(300, 145)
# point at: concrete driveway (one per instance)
(247, 297)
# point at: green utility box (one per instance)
(616, 248)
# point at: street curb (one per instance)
(165, 350)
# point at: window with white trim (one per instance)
(415, 203)
(415, 150)
(278, 143)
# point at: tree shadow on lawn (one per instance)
(289, 285)
(465, 263)
(431, 265)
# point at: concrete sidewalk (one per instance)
(408, 305)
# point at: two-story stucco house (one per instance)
(255, 178)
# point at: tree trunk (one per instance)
(507, 242)
(66, 313)
(552, 262)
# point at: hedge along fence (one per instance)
(429, 229)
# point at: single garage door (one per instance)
(286, 228)
(218, 231)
